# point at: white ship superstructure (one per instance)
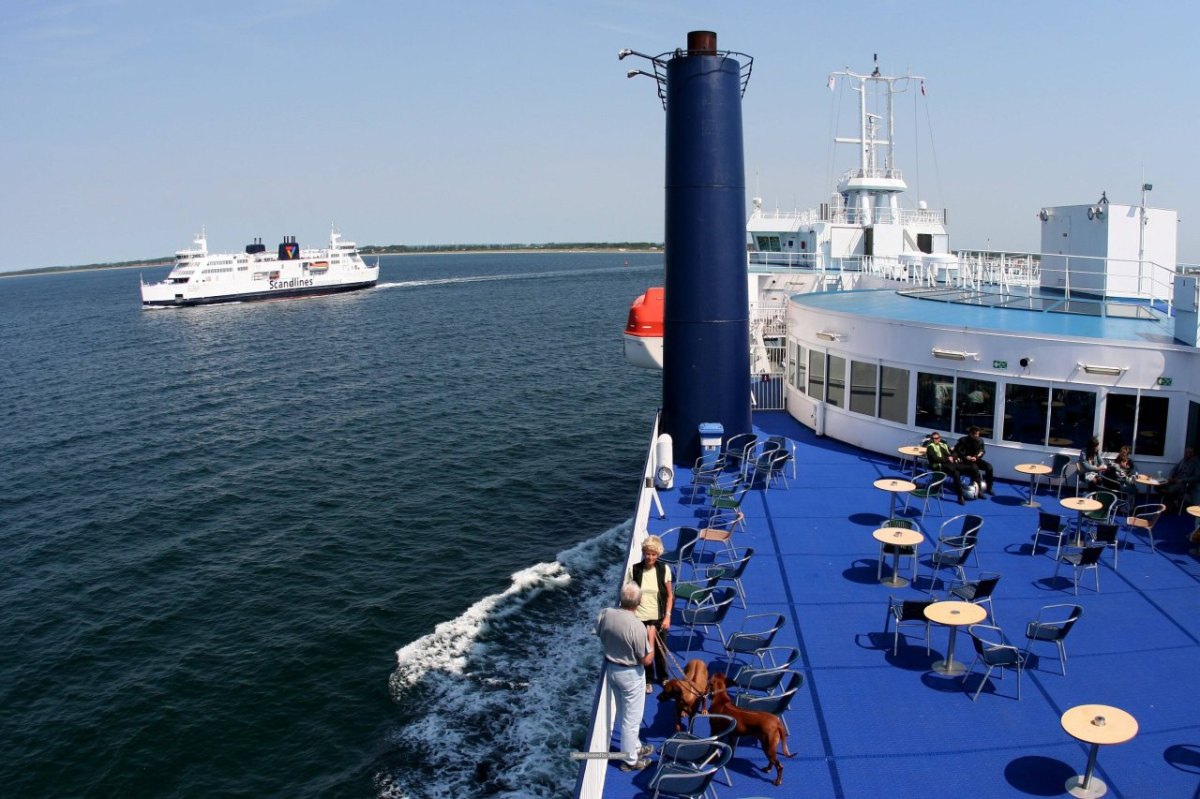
(200, 277)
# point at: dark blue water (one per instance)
(341, 546)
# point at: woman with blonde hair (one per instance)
(658, 595)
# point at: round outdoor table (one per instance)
(953, 614)
(894, 486)
(1080, 505)
(1033, 470)
(1145, 482)
(910, 452)
(1095, 725)
(899, 537)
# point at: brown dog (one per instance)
(766, 727)
(688, 693)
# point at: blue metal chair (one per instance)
(1050, 525)
(731, 567)
(886, 550)
(906, 611)
(993, 651)
(977, 591)
(756, 635)
(1080, 560)
(707, 608)
(949, 558)
(776, 704)
(1054, 627)
(683, 783)
(929, 486)
(681, 550)
(967, 533)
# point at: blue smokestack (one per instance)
(706, 348)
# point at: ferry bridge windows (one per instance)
(836, 386)
(1072, 417)
(975, 406)
(768, 243)
(935, 393)
(1140, 422)
(1025, 413)
(893, 394)
(862, 387)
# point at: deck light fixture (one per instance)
(953, 355)
(1111, 371)
(829, 335)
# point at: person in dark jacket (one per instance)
(658, 597)
(970, 450)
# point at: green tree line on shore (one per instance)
(374, 249)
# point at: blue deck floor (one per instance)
(868, 724)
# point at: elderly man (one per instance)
(628, 648)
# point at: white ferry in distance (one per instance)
(202, 278)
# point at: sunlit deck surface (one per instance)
(868, 724)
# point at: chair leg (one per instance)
(1062, 657)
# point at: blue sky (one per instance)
(127, 125)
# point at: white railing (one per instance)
(844, 215)
(589, 782)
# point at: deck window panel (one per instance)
(974, 403)
(862, 387)
(836, 386)
(1025, 409)
(1120, 416)
(935, 400)
(1151, 425)
(893, 394)
(1072, 417)
(816, 375)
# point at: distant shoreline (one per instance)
(368, 251)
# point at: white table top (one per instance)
(1099, 724)
(1081, 504)
(895, 484)
(1193, 510)
(955, 614)
(911, 449)
(900, 536)
(1033, 468)
(1147, 480)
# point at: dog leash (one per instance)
(674, 661)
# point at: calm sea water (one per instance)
(341, 546)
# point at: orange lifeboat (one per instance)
(644, 330)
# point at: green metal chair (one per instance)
(929, 486)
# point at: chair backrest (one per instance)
(685, 540)
(1091, 555)
(766, 625)
(991, 645)
(954, 556)
(1059, 463)
(777, 703)
(969, 525)
(718, 726)
(1106, 500)
(985, 585)
(929, 483)
(1149, 513)
(907, 524)
(913, 609)
(1049, 522)
(753, 678)
(1106, 533)
(1062, 625)
(709, 605)
(732, 569)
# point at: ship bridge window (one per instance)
(1140, 422)
(1025, 409)
(974, 406)
(893, 394)
(768, 243)
(935, 400)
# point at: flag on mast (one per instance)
(922, 88)
(831, 83)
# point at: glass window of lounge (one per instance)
(1139, 423)
(893, 394)
(1025, 413)
(836, 385)
(1072, 417)
(935, 400)
(862, 387)
(975, 406)
(816, 375)
(798, 367)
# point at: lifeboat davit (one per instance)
(644, 330)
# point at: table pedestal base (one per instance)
(895, 581)
(1096, 787)
(951, 668)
